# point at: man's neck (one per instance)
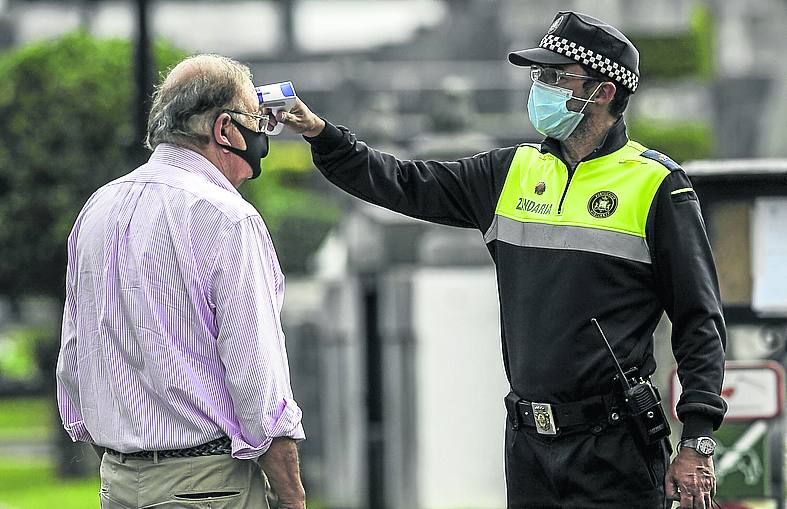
(586, 139)
(212, 153)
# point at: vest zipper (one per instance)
(565, 189)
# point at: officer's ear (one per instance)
(220, 128)
(605, 93)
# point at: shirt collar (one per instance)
(615, 138)
(192, 162)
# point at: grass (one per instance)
(25, 419)
(31, 484)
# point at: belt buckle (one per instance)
(545, 421)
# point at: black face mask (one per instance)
(256, 147)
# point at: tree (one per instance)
(67, 128)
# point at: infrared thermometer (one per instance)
(276, 97)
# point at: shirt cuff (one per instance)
(328, 139)
(78, 432)
(697, 425)
(287, 423)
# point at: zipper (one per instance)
(565, 189)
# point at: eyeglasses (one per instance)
(262, 120)
(551, 76)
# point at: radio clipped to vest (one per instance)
(642, 400)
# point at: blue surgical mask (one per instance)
(548, 112)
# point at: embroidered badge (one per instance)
(540, 188)
(602, 204)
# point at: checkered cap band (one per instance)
(592, 59)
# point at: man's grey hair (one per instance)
(187, 102)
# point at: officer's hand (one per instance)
(691, 480)
(300, 119)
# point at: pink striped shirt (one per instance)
(171, 332)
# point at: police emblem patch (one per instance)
(555, 24)
(540, 188)
(602, 204)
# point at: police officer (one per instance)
(587, 224)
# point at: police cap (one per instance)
(578, 38)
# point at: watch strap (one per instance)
(694, 443)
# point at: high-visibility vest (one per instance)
(603, 208)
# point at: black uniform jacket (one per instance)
(547, 296)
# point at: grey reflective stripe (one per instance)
(579, 238)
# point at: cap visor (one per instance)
(528, 57)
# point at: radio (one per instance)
(642, 399)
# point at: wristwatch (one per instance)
(703, 445)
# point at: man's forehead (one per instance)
(250, 98)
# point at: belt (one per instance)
(548, 418)
(221, 445)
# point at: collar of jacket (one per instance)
(615, 139)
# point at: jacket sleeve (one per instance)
(688, 287)
(456, 193)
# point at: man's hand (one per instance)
(300, 119)
(691, 480)
(280, 464)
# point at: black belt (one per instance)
(221, 445)
(548, 418)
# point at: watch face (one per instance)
(706, 446)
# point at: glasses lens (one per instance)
(546, 75)
(549, 76)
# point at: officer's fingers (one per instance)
(709, 484)
(671, 489)
(686, 500)
(699, 502)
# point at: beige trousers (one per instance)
(204, 482)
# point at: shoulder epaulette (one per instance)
(661, 158)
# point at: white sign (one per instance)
(769, 256)
(752, 390)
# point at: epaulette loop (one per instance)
(661, 158)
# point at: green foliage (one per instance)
(297, 217)
(701, 23)
(66, 118)
(669, 56)
(682, 141)
(17, 353)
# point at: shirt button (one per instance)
(596, 429)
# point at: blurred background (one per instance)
(392, 324)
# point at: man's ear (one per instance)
(220, 127)
(605, 93)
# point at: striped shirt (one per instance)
(171, 329)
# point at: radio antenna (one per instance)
(609, 348)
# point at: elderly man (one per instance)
(173, 361)
(585, 225)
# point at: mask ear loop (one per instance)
(589, 99)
